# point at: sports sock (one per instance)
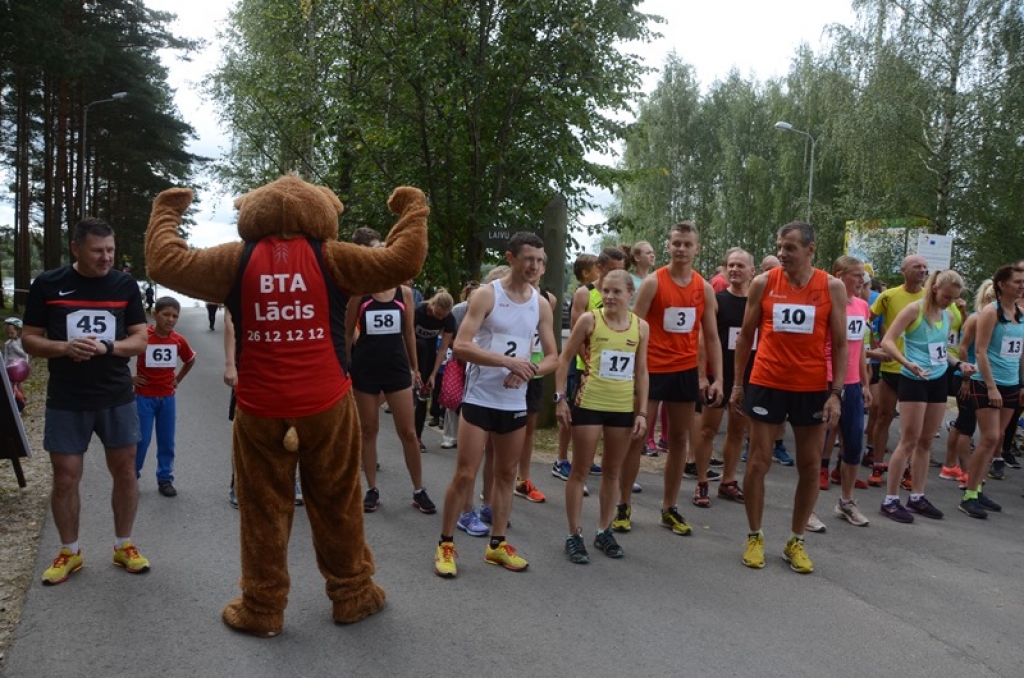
(971, 494)
(916, 497)
(119, 542)
(891, 498)
(496, 541)
(447, 538)
(73, 547)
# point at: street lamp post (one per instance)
(85, 133)
(786, 127)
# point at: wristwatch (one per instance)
(837, 392)
(109, 344)
(559, 397)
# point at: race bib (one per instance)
(91, 323)
(937, 352)
(616, 364)
(793, 318)
(162, 356)
(953, 340)
(680, 319)
(387, 321)
(510, 345)
(855, 327)
(1011, 347)
(734, 335)
(535, 344)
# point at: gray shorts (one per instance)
(69, 431)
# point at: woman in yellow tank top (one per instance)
(613, 388)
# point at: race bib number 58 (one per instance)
(92, 323)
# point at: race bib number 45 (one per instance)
(92, 323)
(793, 318)
(162, 356)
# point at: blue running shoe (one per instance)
(561, 469)
(595, 469)
(471, 524)
(781, 455)
(485, 514)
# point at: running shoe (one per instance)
(974, 509)
(671, 519)
(875, 479)
(731, 491)
(298, 494)
(576, 549)
(814, 523)
(964, 481)
(650, 450)
(690, 471)
(850, 512)
(621, 521)
(997, 471)
(716, 462)
(64, 565)
(823, 481)
(423, 448)
(934, 463)
(130, 559)
(868, 461)
(504, 554)
(526, 489)
(586, 490)
(605, 541)
(434, 422)
(753, 556)
(595, 469)
(743, 455)
(637, 489)
(662, 444)
(561, 469)
(232, 497)
(950, 473)
(422, 502)
(1010, 459)
(371, 501)
(448, 445)
(907, 482)
(781, 455)
(796, 556)
(166, 488)
(702, 496)
(859, 484)
(895, 511)
(444, 560)
(470, 523)
(924, 507)
(837, 478)
(988, 504)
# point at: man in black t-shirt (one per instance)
(87, 320)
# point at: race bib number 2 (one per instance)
(91, 323)
(162, 356)
(510, 345)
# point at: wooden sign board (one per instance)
(13, 441)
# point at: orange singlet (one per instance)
(794, 324)
(674, 317)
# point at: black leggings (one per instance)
(1011, 428)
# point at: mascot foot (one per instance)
(359, 605)
(240, 618)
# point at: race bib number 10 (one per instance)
(92, 323)
(793, 318)
(162, 356)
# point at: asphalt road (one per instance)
(936, 598)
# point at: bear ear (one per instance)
(335, 202)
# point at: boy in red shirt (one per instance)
(155, 383)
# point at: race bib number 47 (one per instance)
(92, 323)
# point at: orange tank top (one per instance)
(674, 318)
(794, 325)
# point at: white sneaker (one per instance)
(815, 525)
(849, 512)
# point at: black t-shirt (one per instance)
(731, 310)
(63, 303)
(427, 329)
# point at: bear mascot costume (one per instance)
(286, 287)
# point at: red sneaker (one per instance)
(823, 479)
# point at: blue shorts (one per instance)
(851, 423)
(69, 431)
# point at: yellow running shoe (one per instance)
(754, 555)
(444, 559)
(796, 556)
(63, 566)
(671, 519)
(130, 559)
(621, 522)
(504, 554)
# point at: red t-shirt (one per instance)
(159, 362)
(674, 318)
(290, 361)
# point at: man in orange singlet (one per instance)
(792, 307)
(676, 302)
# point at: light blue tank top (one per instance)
(1004, 351)
(925, 343)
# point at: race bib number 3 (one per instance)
(680, 319)
(92, 323)
(616, 365)
(510, 345)
(162, 356)
(383, 322)
(1011, 347)
(855, 326)
(937, 352)
(793, 318)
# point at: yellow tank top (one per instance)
(607, 383)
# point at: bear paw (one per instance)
(175, 199)
(405, 198)
(359, 605)
(240, 618)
